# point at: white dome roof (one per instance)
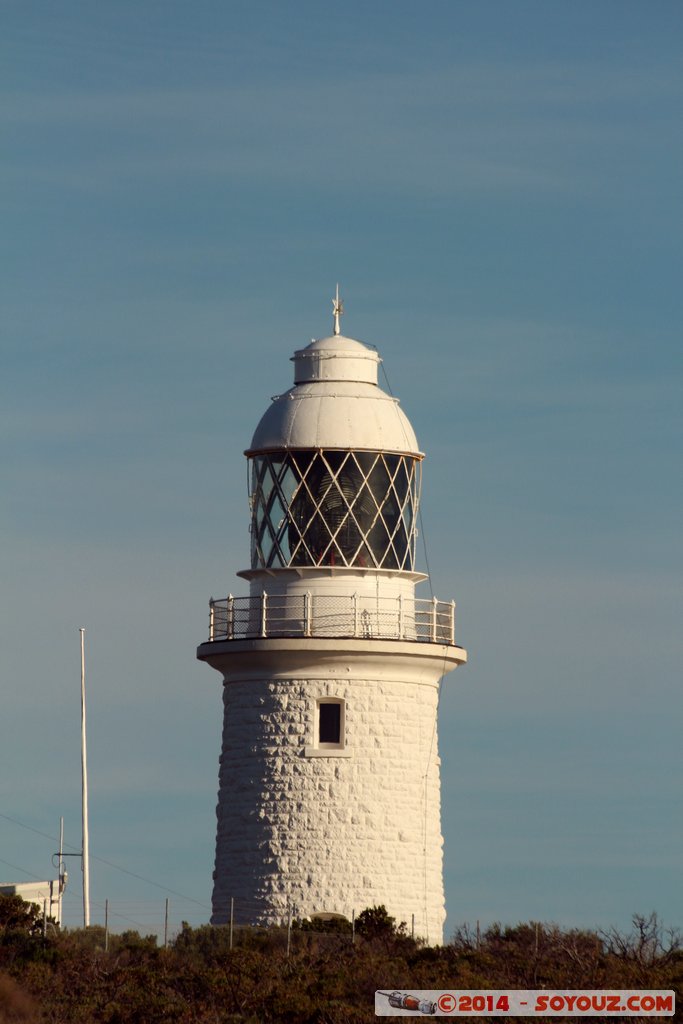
(335, 403)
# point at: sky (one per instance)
(497, 189)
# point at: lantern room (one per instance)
(335, 468)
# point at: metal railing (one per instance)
(327, 615)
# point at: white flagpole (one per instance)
(85, 861)
(62, 872)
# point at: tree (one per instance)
(375, 923)
(17, 914)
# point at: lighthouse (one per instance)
(329, 783)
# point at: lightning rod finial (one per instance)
(337, 312)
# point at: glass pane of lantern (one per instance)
(364, 509)
(378, 540)
(288, 481)
(379, 480)
(400, 544)
(366, 460)
(401, 480)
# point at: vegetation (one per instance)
(328, 976)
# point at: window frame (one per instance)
(321, 748)
(329, 744)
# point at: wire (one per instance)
(110, 864)
(23, 870)
(122, 917)
(424, 545)
(419, 503)
(37, 831)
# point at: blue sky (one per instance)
(497, 187)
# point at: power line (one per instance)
(37, 831)
(110, 864)
(23, 870)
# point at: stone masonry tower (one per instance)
(329, 798)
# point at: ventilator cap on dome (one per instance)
(335, 358)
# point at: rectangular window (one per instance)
(329, 723)
(329, 735)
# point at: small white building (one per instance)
(329, 798)
(45, 895)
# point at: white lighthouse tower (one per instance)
(329, 798)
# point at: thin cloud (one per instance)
(477, 128)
